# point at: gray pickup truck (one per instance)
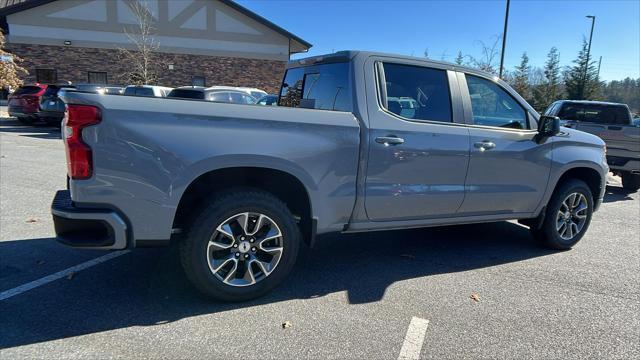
(613, 123)
(360, 142)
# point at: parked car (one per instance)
(244, 186)
(269, 100)
(256, 93)
(113, 90)
(208, 94)
(147, 90)
(24, 102)
(52, 108)
(612, 122)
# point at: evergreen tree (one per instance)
(426, 53)
(578, 85)
(520, 79)
(459, 59)
(550, 90)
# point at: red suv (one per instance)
(24, 102)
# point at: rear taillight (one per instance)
(79, 157)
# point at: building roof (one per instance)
(8, 7)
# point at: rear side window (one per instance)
(493, 106)
(186, 94)
(219, 96)
(238, 98)
(26, 90)
(416, 92)
(595, 113)
(323, 87)
(138, 91)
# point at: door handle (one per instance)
(389, 140)
(484, 145)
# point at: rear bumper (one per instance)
(20, 111)
(87, 228)
(619, 163)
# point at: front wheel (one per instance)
(567, 216)
(630, 182)
(241, 246)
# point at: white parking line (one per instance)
(414, 339)
(60, 274)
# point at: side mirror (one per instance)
(548, 126)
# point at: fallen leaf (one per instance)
(286, 324)
(71, 275)
(40, 262)
(408, 256)
(32, 220)
(475, 297)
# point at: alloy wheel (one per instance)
(245, 249)
(572, 216)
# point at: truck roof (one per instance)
(591, 102)
(348, 55)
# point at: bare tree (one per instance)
(142, 62)
(9, 69)
(487, 62)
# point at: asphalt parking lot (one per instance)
(353, 297)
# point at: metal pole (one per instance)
(586, 67)
(504, 38)
(599, 63)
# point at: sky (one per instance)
(446, 27)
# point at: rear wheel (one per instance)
(567, 216)
(630, 181)
(241, 246)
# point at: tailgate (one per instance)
(622, 140)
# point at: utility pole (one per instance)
(504, 38)
(599, 63)
(586, 66)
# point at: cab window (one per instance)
(493, 106)
(417, 93)
(322, 87)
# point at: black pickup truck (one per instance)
(612, 122)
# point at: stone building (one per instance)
(201, 42)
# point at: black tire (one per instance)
(548, 234)
(26, 120)
(194, 248)
(630, 182)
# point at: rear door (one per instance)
(418, 144)
(508, 170)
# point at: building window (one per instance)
(198, 81)
(46, 76)
(97, 77)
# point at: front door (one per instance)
(418, 153)
(508, 169)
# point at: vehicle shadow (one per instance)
(148, 287)
(616, 193)
(37, 130)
